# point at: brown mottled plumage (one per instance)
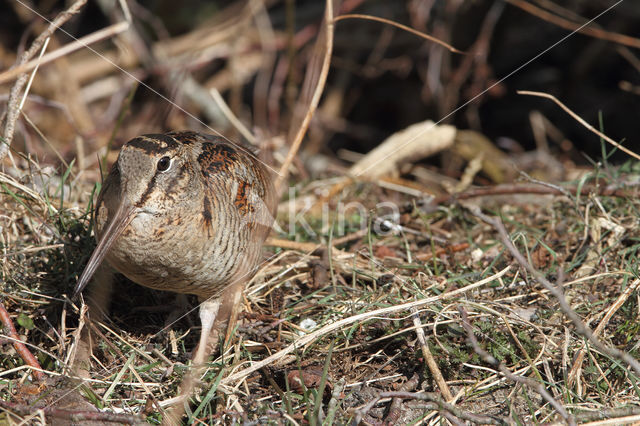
(184, 212)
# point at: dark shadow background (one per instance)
(389, 78)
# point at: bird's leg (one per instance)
(208, 311)
(214, 313)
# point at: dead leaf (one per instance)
(311, 378)
(381, 252)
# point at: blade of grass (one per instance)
(323, 382)
(118, 377)
(207, 398)
(65, 176)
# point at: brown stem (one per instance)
(316, 75)
(439, 405)
(13, 109)
(529, 189)
(581, 327)
(74, 416)
(429, 359)
(573, 26)
(20, 347)
(489, 359)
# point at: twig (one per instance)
(440, 405)
(603, 323)
(476, 61)
(269, 49)
(309, 247)
(333, 402)
(74, 416)
(14, 95)
(428, 357)
(398, 25)
(85, 41)
(304, 340)
(558, 188)
(581, 328)
(20, 347)
(628, 420)
(395, 410)
(33, 75)
(231, 117)
(292, 245)
(529, 189)
(315, 99)
(489, 359)
(571, 26)
(580, 120)
(32, 250)
(608, 414)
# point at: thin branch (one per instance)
(72, 415)
(440, 405)
(315, 99)
(428, 357)
(489, 359)
(580, 120)
(509, 189)
(572, 26)
(14, 95)
(20, 347)
(85, 41)
(580, 326)
(304, 340)
(398, 25)
(231, 117)
(619, 414)
(396, 408)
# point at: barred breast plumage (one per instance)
(184, 212)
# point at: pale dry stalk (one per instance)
(16, 91)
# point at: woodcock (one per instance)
(184, 212)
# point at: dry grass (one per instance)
(514, 318)
(432, 322)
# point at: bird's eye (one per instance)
(164, 164)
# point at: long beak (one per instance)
(123, 216)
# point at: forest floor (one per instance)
(492, 279)
(353, 315)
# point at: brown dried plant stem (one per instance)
(310, 247)
(396, 408)
(580, 120)
(304, 340)
(85, 41)
(489, 359)
(580, 326)
(72, 415)
(315, 99)
(611, 416)
(13, 109)
(509, 189)
(439, 405)
(573, 26)
(428, 357)
(20, 347)
(395, 24)
(577, 364)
